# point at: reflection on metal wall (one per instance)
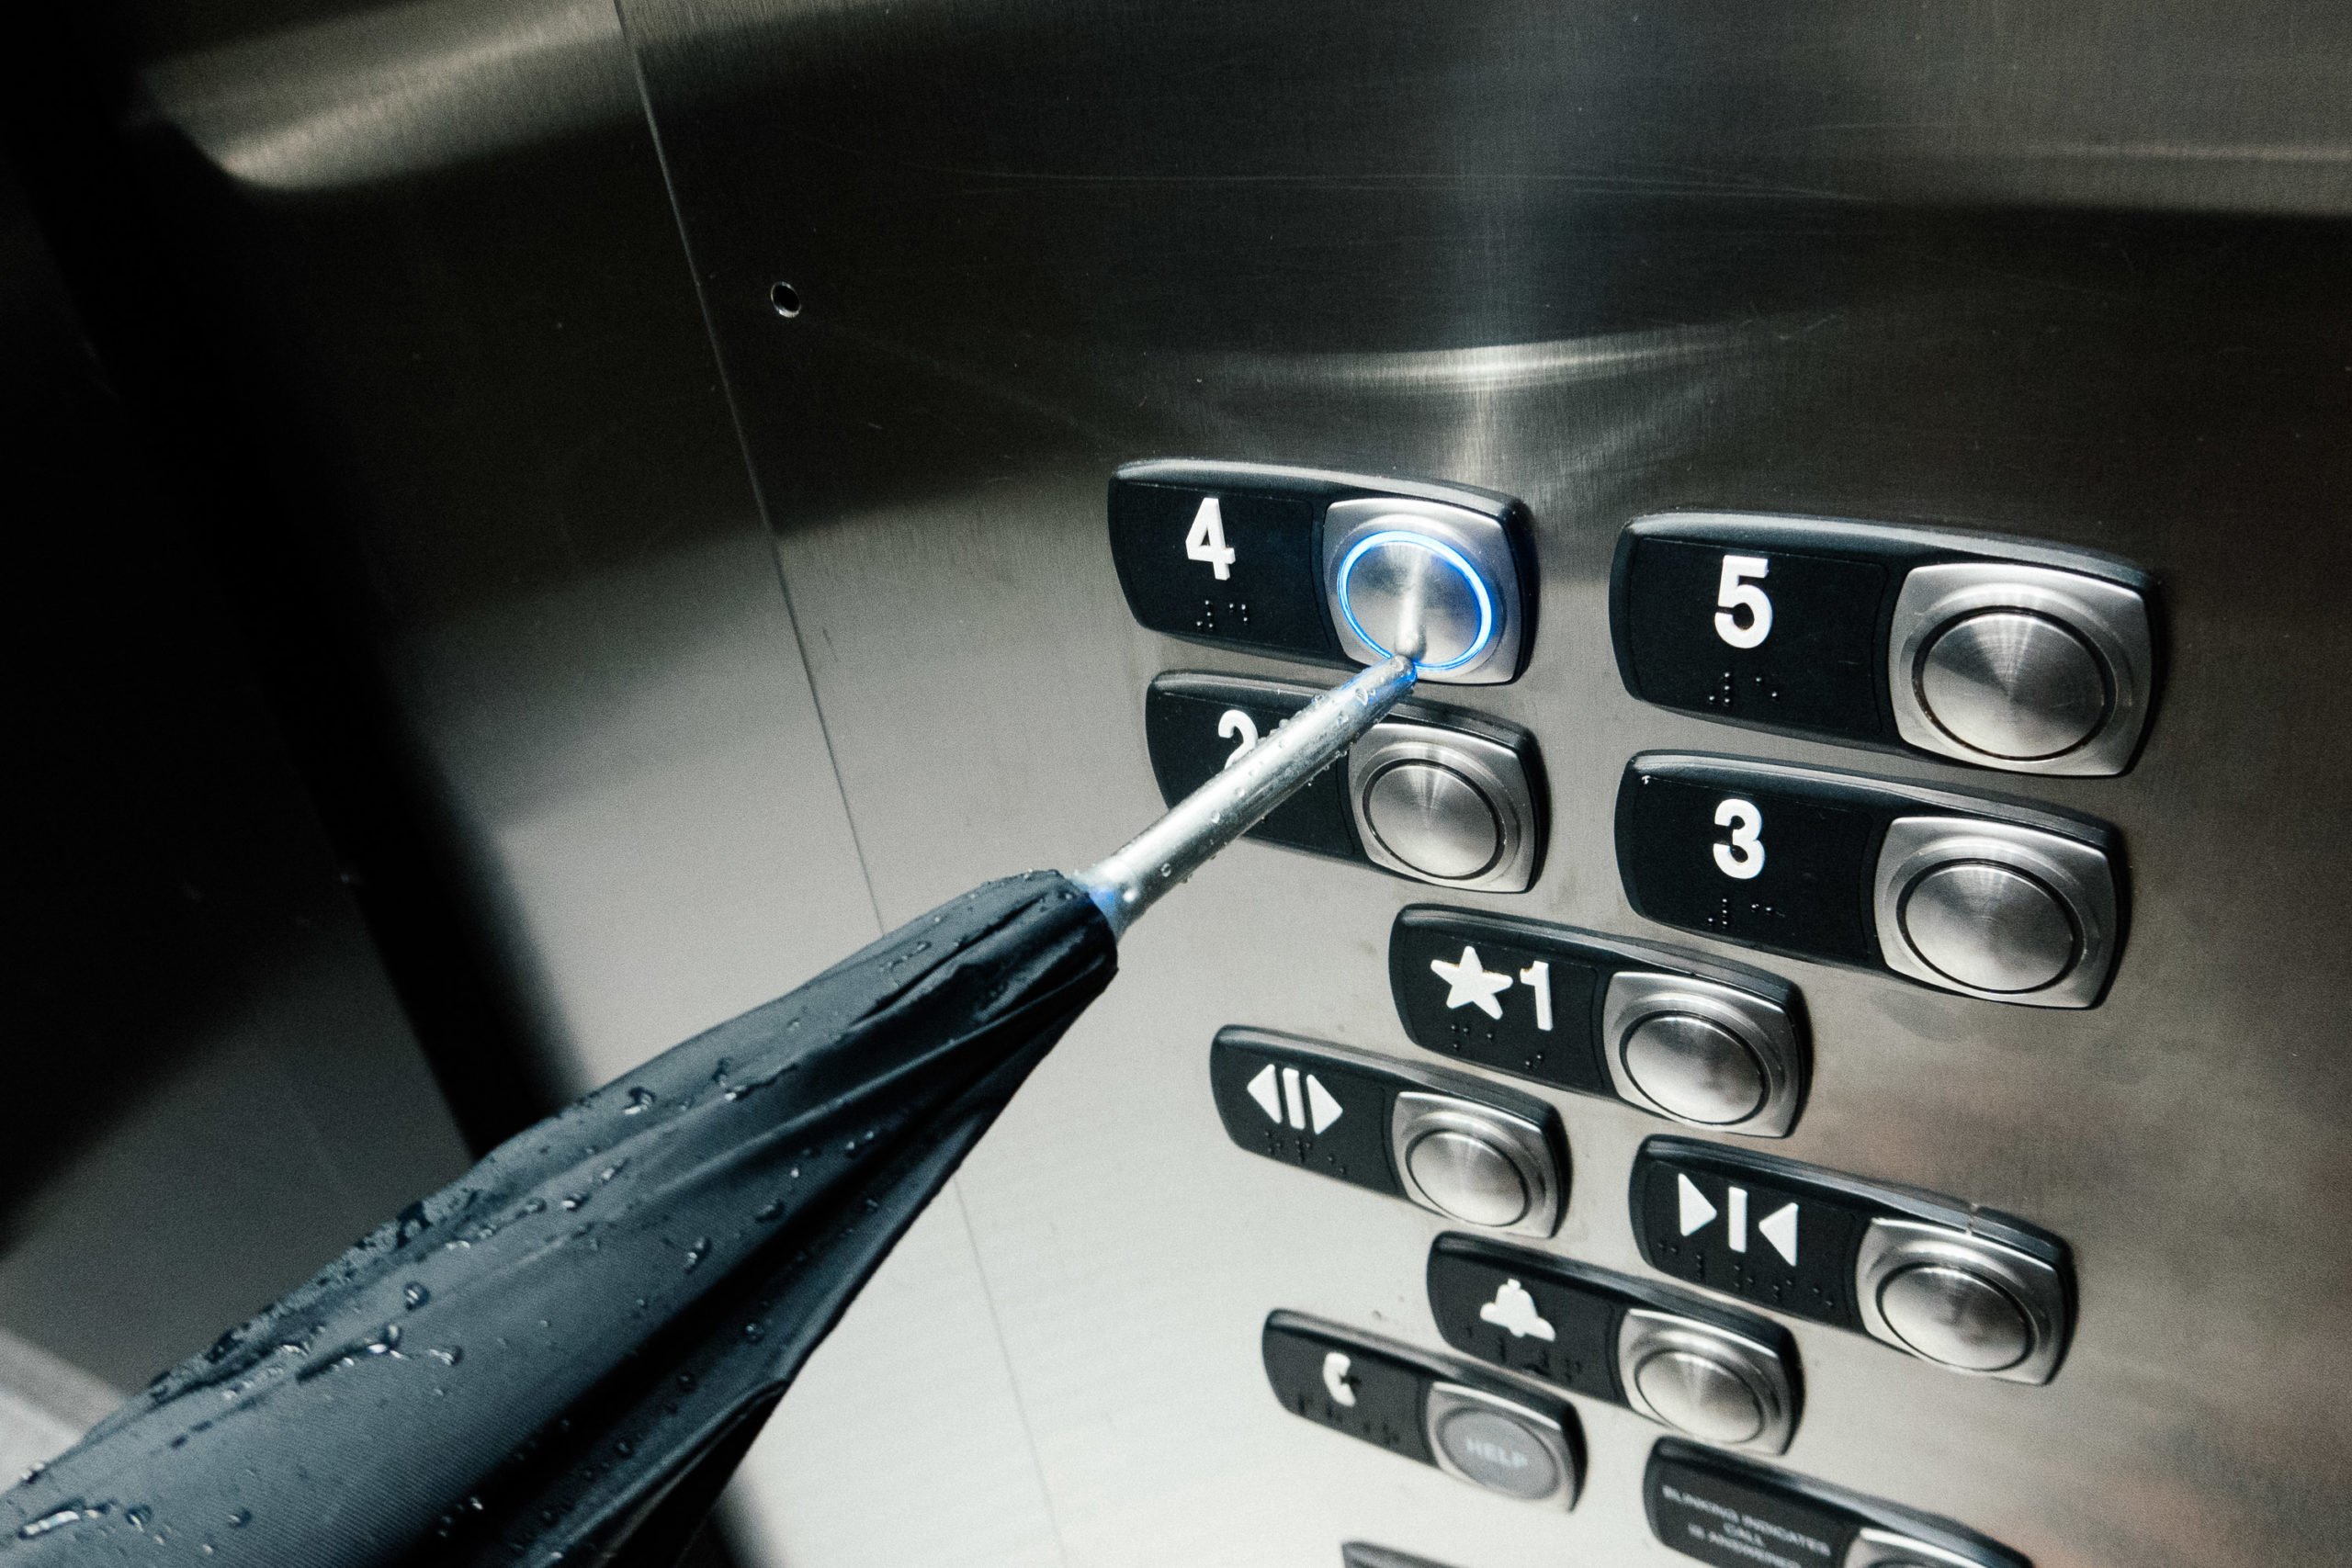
(2063, 277)
(2073, 275)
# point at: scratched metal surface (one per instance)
(2069, 275)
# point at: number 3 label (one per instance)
(1734, 593)
(1744, 856)
(1206, 541)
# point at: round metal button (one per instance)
(1701, 1396)
(1433, 820)
(1694, 1069)
(1960, 1319)
(1495, 1450)
(2013, 684)
(1396, 581)
(1990, 927)
(1468, 1178)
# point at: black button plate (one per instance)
(1327, 1109)
(1270, 521)
(1194, 725)
(1467, 1277)
(1782, 1234)
(1821, 666)
(1482, 987)
(1732, 1514)
(1290, 1100)
(1687, 824)
(1479, 1289)
(1388, 1390)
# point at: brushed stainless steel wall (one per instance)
(2073, 274)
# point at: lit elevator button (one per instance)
(1394, 565)
(1433, 820)
(1394, 582)
(2012, 684)
(1992, 928)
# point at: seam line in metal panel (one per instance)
(1004, 1357)
(751, 470)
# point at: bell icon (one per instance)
(1514, 1309)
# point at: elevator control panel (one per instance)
(1712, 1372)
(1474, 1151)
(1328, 567)
(1678, 1034)
(2007, 653)
(1965, 1288)
(1477, 1427)
(1433, 793)
(1732, 1513)
(1989, 898)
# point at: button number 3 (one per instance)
(1734, 593)
(1206, 541)
(1744, 856)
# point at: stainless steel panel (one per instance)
(1994, 266)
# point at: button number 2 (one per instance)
(1744, 856)
(1734, 593)
(1206, 541)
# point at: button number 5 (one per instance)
(1744, 856)
(1734, 593)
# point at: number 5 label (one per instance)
(1732, 592)
(1206, 542)
(1744, 856)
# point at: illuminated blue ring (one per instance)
(1445, 552)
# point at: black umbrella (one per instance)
(560, 1356)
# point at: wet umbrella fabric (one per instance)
(561, 1354)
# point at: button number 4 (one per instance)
(1206, 541)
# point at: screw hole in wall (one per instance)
(785, 298)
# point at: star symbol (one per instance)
(1471, 984)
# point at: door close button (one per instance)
(1962, 1287)
(2007, 653)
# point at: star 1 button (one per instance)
(1470, 983)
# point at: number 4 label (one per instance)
(1206, 541)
